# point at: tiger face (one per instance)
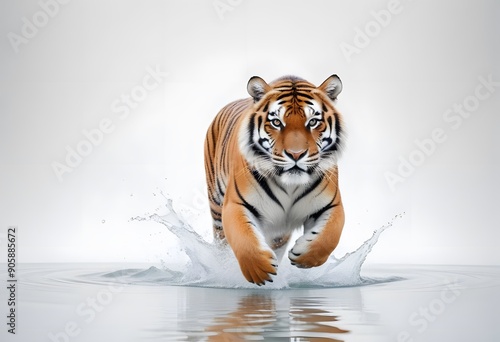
(294, 132)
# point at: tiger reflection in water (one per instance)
(257, 316)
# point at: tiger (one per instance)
(271, 169)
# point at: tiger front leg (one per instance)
(256, 259)
(321, 236)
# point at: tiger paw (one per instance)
(258, 265)
(308, 252)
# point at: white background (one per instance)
(65, 78)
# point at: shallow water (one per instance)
(207, 299)
(63, 302)
(214, 265)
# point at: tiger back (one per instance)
(271, 168)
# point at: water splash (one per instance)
(214, 264)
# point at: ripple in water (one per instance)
(214, 265)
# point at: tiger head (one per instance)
(293, 131)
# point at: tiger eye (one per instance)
(276, 123)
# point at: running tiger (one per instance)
(271, 168)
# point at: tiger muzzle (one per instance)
(296, 155)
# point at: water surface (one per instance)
(207, 299)
(62, 302)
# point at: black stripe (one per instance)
(251, 127)
(210, 163)
(258, 150)
(337, 125)
(261, 143)
(229, 129)
(210, 132)
(304, 95)
(266, 107)
(303, 86)
(214, 213)
(223, 159)
(330, 123)
(259, 123)
(217, 120)
(263, 184)
(219, 188)
(308, 190)
(247, 205)
(321, 191)
(320, 212)
(335, 146)
(214, 140)
(282, 96)
(263, 105)
(224, 117)
(215, 200)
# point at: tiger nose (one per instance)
(296, 154)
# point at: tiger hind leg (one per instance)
(215, 211)
(218, 233)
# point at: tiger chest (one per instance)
(283, 209)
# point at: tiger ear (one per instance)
(332, 86)
(257, 87)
